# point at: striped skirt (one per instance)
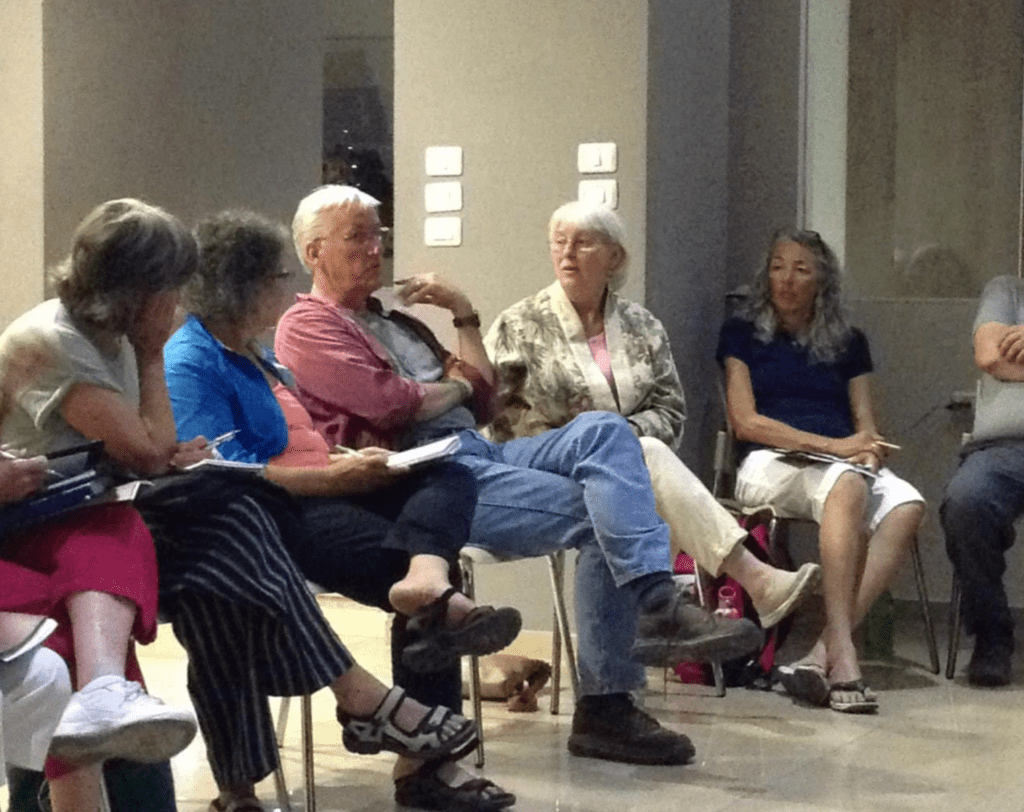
(242, 611)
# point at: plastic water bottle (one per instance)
(728, 602)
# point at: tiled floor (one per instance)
(935, 745)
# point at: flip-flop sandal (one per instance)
(425, 790)
(436, 645)
(806, 682)
(866, 700)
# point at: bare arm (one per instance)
(438, 398)
(753, 427)
(432, 289)
(142, 439)
(999, 350)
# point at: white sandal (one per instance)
(441, 734)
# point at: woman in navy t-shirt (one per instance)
(797, 380)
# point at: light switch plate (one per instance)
(444, 161)
(442, 231)
(596, 157)
(603, 191)
(443, 196)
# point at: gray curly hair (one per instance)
(240, 253)
(829, 331)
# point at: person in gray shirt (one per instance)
(986, 493)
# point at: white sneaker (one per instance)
(113, 718)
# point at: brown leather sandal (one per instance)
(436, 645)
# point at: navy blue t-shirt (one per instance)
(791, 388)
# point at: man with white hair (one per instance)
(370, 376)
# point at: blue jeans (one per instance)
(982, 500)
(583, 486)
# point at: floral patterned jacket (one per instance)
(549, 376)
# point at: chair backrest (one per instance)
(725, 465)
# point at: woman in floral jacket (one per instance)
(576, 346)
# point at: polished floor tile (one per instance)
(936, 745)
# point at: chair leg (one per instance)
(104, 795)
(922, 594)
(469, 588)
(556, 562)
(704, 600)
(307, 752)
(556, 662)
(280, 786)
(955, 598)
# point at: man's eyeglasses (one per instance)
(365, 237)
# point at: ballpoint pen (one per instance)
(221, 439)
(7, 455)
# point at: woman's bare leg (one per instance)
(78, 790)
(887, 551)
(842, 562)
(101, 626)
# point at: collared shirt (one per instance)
(353, 386)
(214, 390)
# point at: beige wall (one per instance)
(518, 86)
(192, 105)
(21, 155)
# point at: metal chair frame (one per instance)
(469, 559)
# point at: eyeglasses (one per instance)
(580, 244)
(365, 237)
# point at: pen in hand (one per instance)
(220, 439)
(7, 455)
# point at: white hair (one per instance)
(599, 218)
(309, 221)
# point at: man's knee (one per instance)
(971, 501)
(607, 425)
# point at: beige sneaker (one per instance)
(786, 592)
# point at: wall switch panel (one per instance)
(443, 196)
(444, 161)
(597, 158)
(441, 231)
(604, 192)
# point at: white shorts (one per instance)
(798, 490)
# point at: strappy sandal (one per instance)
(423, 789)
(865, 700)
(440, 735)
(435, 645)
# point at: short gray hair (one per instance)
(829, 332)
(240, 252)
(599, 218)
(122, 253)
(308, 223)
